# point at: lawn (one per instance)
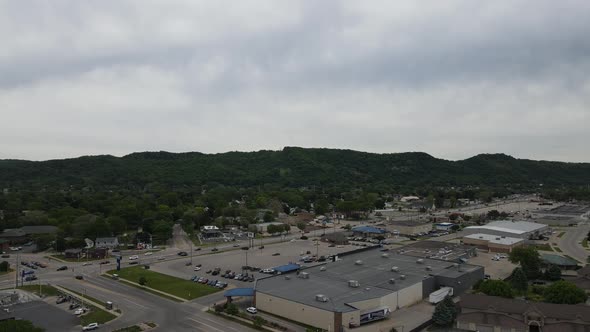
(96, 315)
(46, 290)
(182, 288)
(585, 243)
(542, 246)
(133, 328)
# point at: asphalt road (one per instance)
(570, 242)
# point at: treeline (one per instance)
(292, 167)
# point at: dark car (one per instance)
(133, 263)
(183, 253)
(6, 256)
(214, 249)
(104, 262)
(62, 268)
(79, 277)
(30, 278)
(276, 254)
(331, 245)
(61, 299)
(197, 249)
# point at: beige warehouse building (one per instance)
(493, 243)
(359, 288)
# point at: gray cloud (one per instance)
(451, 78)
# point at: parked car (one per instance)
(104, 262)
(183, 253)
(61, 299)
(87, 263)
(62, 268)
(251, 310)
(31, 278)
(79, 277)
(276, 254)
(5, 256)
(214, 249)
(197, 249)
(149, 253)
(133, 263)
(134, 257)
(89, 327)
(197, 268)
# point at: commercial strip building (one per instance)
(516, 229)
(493, 243)
(368, 231)
(409, 227)
(492, 313)
(359, 288)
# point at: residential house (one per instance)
(106, 242)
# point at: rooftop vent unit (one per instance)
(321, 298)
(353, 283)
(323, 268)
(304, 275)
(395, 269)
(429, 268)
(420, 261)
(384, 255)
(358, 262)
(402, 277)
(392, 281)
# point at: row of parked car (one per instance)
(33, 265)
(239, 276)
(209, 282)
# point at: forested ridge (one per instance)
(291, 167)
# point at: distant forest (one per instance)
(290, 168)
(88, 197)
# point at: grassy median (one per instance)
(182, 288)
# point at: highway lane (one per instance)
(571, 241)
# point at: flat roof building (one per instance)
(359, 288)
(493, 243)
(452, 252)
(521, 229)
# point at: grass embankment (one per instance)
(45, 290)
(133, 328)
(557, 249)
(542, 246)
(585, 243)
(561, 234)
(182, 288)
(6, 272)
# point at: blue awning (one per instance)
(239, 292)
(287, 268)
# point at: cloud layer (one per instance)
(450, 78)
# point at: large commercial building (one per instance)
(520, 229)
(493, 243)
(359, 288)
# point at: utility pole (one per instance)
(17, 269)
(191, 246)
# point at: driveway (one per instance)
(571, 242)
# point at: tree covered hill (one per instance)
(291, 167)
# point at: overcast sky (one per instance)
(450, 78)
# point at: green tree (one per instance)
(445, 312)
(496, 288)
(519, 281)
(258, 321)
(232, 309)
(301, 225)
(142, 280)
(287, 228)
(268, 216)
(271, 229)
(4, 266)
(529, 260)
(564, 292)
(553, 273)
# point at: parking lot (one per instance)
(47, 316)
(496, 269)
(270, 256)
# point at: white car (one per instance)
(134, 257)
(251, 310)
(197, 268)
(89, 327)
(79, 311)
(14, 249)
(149, 253)
(86, 264)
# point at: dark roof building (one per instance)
(46, 229)
(493, 313)
(106, 242)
